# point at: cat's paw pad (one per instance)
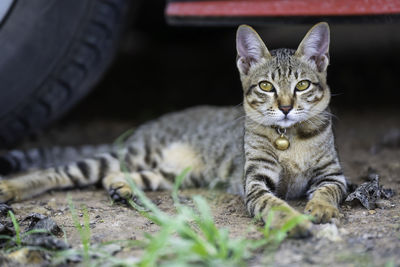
(322, 212)
(7, 191)
(120, 192)
(301, 230)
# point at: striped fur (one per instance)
(228, 147)
(310, 166)
(155, 154)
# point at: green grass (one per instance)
(83, 229)
(16, 228)
(390, 263)
(190, 237)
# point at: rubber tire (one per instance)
(51, 54)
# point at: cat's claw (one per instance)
(322, 212)
(121, 193)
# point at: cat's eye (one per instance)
(302, 85)
(266, 86)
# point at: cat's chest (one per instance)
(296, 163)
(301, 154)
(298, 158)
(293, 179)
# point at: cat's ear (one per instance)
(250, 48)
(314, 48)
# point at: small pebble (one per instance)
(329, 231)
(26, 256)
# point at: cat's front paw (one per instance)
(322, 211)
(301, 230)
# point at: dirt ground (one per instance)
(363, 238)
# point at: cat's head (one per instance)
(283, 87)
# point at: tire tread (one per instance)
(73, 77)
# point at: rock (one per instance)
(47, 239)
(44, 241)
(39, 221)
(343, 231)
(384, 204)
(328, 231)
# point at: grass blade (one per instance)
(16, 227)
(84, 232)
(178, 181)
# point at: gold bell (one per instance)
(282, 143)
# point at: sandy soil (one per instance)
(363, 238)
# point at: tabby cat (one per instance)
(279, 146)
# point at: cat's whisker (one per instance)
(311, 122)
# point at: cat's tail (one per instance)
(40, 158)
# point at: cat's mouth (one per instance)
(286, 122)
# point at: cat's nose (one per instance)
(286, 109)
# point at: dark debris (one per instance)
(6, 229)
(39, 221)
(4, 208)
(369, 193)
(46, 239)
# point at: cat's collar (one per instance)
(282, 142)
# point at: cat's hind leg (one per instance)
(32, 184)
(77, 174)
(119, 188)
